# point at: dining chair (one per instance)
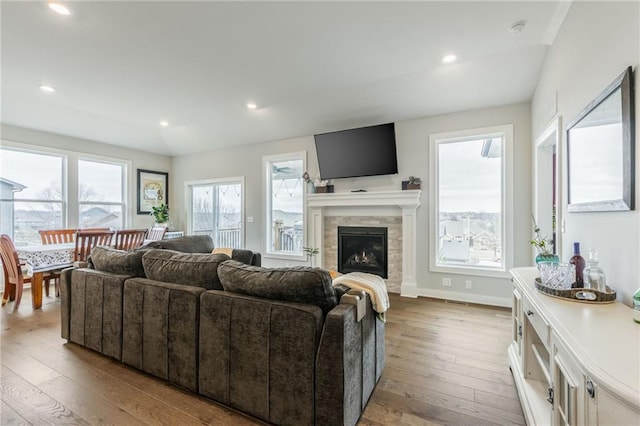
(86, 240)
(57, 236)
(14, 276)
(129, 239)
(156, 233)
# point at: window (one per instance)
(101, 194)
(32, 192)
(285, 203)
(470, 189)
(216, 208)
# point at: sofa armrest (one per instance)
(65, 297)
(349, 364)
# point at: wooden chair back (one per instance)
(57, 236)
(86, 240)
(156, 233)
(129, 239)
(14, 280)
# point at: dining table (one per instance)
(43, 258)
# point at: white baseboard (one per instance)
(463, 297)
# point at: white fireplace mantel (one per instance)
(407, 201)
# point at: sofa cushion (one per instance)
(194, 269)
(108, 259)
(188, 244)
(300, 284)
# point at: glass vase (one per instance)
(547, 257)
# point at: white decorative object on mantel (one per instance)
(407, 201)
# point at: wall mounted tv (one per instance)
(366, 151)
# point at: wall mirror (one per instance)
(600, 149)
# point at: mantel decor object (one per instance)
(412, 183)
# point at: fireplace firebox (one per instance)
(362, 249)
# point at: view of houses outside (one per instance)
(34, 201)
(470, 203)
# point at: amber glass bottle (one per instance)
(579, 261)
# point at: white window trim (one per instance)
(188, 199)
(126, 166)
(266, 173)
(507, 201)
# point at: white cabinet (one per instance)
(573, 363)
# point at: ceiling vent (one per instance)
(518, 27)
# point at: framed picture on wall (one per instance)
(153, 190)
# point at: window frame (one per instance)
(70, 205)
(506, 203)
(125, 166)
(188, 193)
(266, 172)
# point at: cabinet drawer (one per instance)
(537, 321)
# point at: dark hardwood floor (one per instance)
(446, 364)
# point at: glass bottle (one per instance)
(578, 260)
(636, 306)
(593, 274)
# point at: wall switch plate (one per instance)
(446, 282)
(250, 219)
(467, 284)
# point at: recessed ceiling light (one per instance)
(448, 59)
(164, 123)
(252, 105)
(59, 8)
(46, 88)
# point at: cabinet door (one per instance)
(565, 394)
(613, 411)
(516, 314)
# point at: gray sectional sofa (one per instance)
(276, 344)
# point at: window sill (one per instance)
(282, 256)
(469, 270)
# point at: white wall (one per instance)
(28, 138)
(597, 41)
(412, 147)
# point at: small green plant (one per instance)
(310, 251)
(160, 213)
(414, 180)
(542, 244)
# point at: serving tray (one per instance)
(584, 295)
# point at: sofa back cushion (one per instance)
(194, 269)
(188, 244)
(108, 259)
(300, 284)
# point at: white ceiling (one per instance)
(119, 68)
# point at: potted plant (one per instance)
(543, 246)
(310, 252)
(160, 213)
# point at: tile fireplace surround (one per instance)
(384, 203)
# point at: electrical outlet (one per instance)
(467, 284)
(446, 282)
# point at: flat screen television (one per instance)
(366, 151)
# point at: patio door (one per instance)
(216, 208)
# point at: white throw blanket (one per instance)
(373, 285)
